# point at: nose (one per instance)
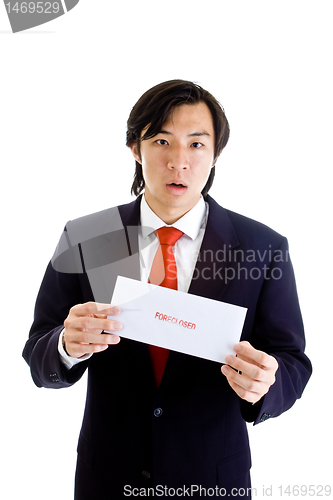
(178, 159)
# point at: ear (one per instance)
(215, 160)
(135, 152)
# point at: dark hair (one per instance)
(152, 110)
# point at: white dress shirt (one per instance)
(186, 251)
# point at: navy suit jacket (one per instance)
(191, 432)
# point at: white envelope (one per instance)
(177, 321)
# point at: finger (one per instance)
(251, 397)
(88, 338)
(249, 370)
(265, 361)
(96, 325)
(110, 339)
(246, 352)
(244, 387)
(242, 380)
(94, 308)
(252, 380)
(114, 311)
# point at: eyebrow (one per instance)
(193, 134)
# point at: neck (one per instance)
(169, 215)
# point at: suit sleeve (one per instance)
(278, 330)
(59, 292)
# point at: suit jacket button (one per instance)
(264, 416)
(146, 474)
(158, 412)
(54, 377)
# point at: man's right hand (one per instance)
(84, 326)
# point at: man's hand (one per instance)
(255, 372)
(84, 326)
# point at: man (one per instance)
(173, 427)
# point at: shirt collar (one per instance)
(190, 224)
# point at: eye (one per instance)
(197, 145)
(162, 142)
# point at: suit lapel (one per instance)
(216, 256)
(113, 251)
(130, 216)
(210, 274)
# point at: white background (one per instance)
(67, 88)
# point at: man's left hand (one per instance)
(255, 372)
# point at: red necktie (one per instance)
(163, 273)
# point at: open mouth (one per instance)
(175, 188)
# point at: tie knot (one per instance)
(168, 235)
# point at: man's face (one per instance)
(176, 162)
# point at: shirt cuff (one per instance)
(67, 360)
